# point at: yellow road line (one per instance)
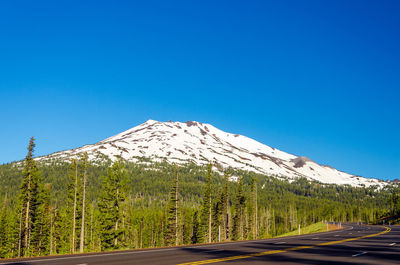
(281, 251)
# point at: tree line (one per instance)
(82, 206)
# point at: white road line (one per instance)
(359, 254)
(279, 243)
(392, 244)
(315, 238)
(336, 235)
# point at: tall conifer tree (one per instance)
(224, 209)
(73, 193)
(112, 196)
(238, 224)
(40, 240)
(84, 165)
(195, 230)
(29, 201)
(172, 213)
(217, 217)
(3, 230)
(253, 210)
(206, 211)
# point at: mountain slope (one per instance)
(203, 143)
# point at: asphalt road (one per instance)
(353, 245)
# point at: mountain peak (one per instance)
(202, 143)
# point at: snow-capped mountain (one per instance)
(203, 143)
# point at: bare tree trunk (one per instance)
(20, 235)
(55, 232)
(91, 229)
(116, 222)
(152, 236)
(141, 233)
(116, 229)
(55, 237)
(176, 209)
(209, 222)
(83, 211)
(268, 221)
(123, 227)
(51, 233)
(256, 214)
(26, 229)
(74, 210)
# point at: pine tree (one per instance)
(3, 230)
(394, 202)
(84, 164)
(195, 231)
(238, 224)
(73, 200)
(171, 235)
(13, 235)
(112, 196)
(61, 235)
(224, 200)
(206, 211)
(217, 218)
(29, 201)
(53, 231)
(254, 209)
(40, 240)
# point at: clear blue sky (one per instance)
(313, 78)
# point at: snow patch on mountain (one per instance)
(202, 143)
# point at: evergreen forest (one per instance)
(75, 206)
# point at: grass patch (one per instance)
(314, 228)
